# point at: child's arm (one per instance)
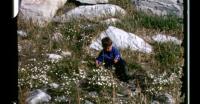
(116, 59)
(116, 55)
(99, 59)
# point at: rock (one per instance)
(88, 102)
(57, 37)
(110, 21)
(92, 1)
(63, 53)
(37, 97)
(164, 38)
(54, 57)
(122, 40)
(160, 7)
(163, 99)
(54, 85)
(40, 12)
(91, 12)
(180, 1)
(22, 33)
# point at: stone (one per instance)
(38, 96)
(160, 7)
(122, 40)
(40, 12)
(164, 38)
(91, 12)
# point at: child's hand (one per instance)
(115, 61)
(97, 63)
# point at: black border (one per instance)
(184, 88)
(8, 43)
(9, 56)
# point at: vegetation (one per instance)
(77, 75)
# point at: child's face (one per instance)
(108, 49)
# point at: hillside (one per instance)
(57, 56)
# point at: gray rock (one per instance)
(40, 12)
(164, 38)
(88, 102)
(38, 96)
(160, 7)
(91, 12)
(122, 40)
(163, 99)
(93, 1)
(180, 1)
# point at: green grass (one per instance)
(168, 54)
(156, 22)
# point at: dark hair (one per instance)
(106, 42)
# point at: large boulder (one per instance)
(160, 7)
(40, 12)
(122, 39)
(92, 1)
(91, 12)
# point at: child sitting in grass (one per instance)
(110, 56)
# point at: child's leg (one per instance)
(121, 70)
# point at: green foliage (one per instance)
(157, 22)
(168, 54)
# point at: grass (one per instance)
(77, 35)
(168, 55)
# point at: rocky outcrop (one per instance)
(40, 12)
(160, 7)
(91, 12)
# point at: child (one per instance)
(110, 56)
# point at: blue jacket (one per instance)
(108, 57)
